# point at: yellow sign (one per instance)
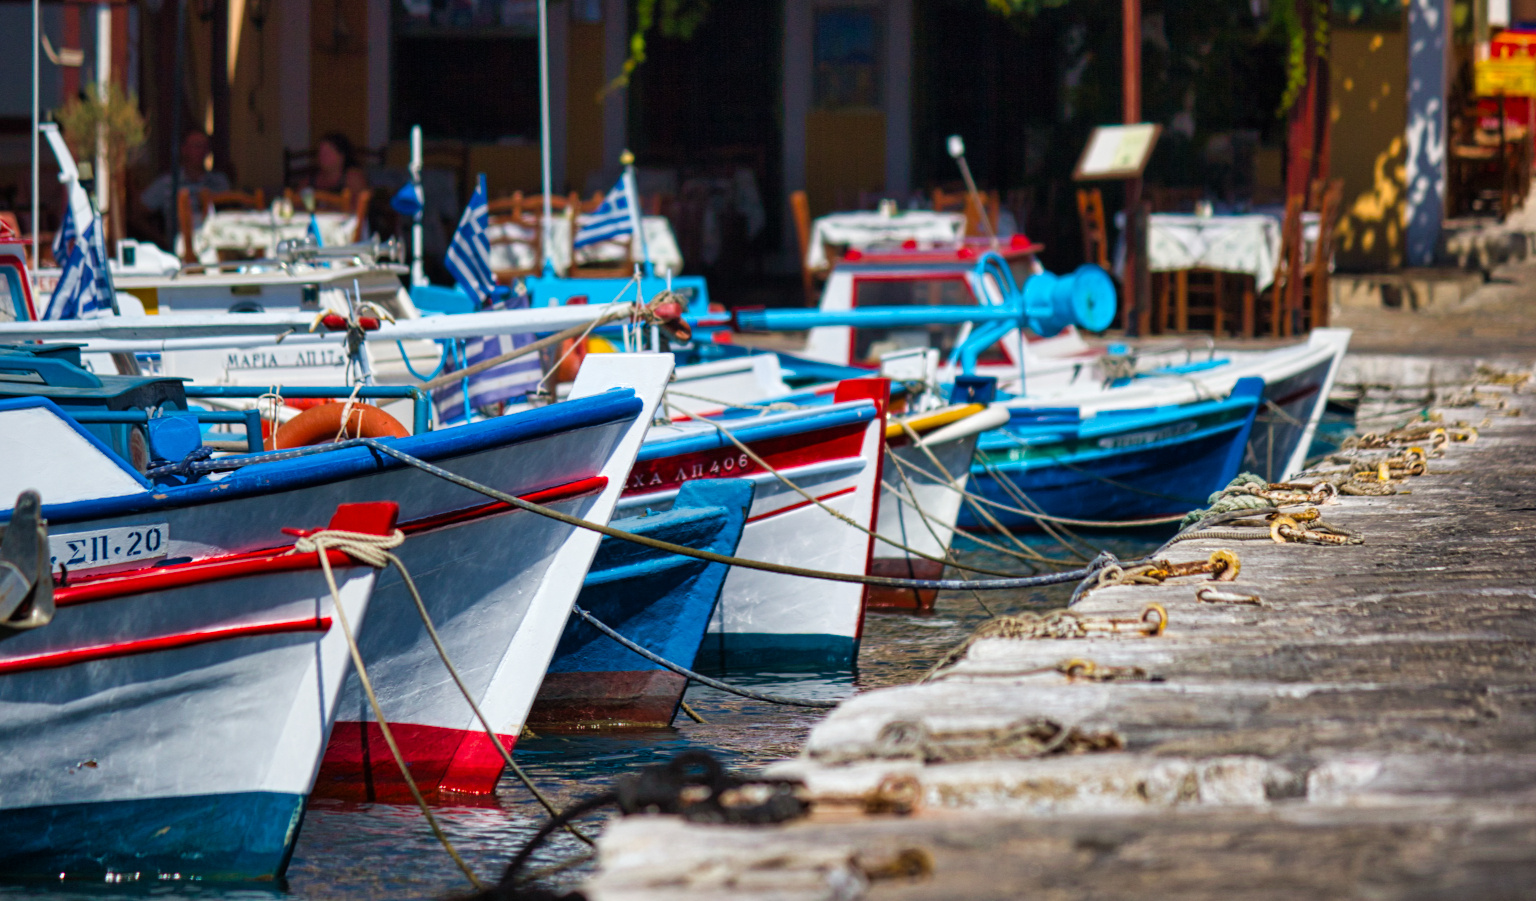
(1513, 76)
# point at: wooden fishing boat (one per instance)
(498, 583)
(660, 601)
(168, 722)
(834, 455)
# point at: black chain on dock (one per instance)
(665, 788)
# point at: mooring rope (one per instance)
(659, 660)
(377, 553)
(373, 550)
(712, 557)
(836, 514)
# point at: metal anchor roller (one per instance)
(26, 570)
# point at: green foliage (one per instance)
(1286, 21)
(120, 114)
(681, 18)
(1022, 7)
(671, 18)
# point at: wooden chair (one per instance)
(511, 227)
(1276, 313)
(1316, 297)
(800, 207)
(1090, 212)
(210, 200)
(961, 201)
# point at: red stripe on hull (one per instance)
(358, 766)
(915, 600)
(56, 659)
(824, 498)
(640, 699)
(569, 491)
(786, 452)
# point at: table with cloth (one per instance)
(1246, 245)
(256, 233)
(860, 230)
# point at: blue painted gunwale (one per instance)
(661, 601)
(241, 837)
(1168, 475)
(1224, 415)
(268, 477)
(761, 429)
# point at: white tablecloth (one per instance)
(1247, 244)
(258, 233)
(660, 243)
(861, 230)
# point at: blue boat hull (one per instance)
(1145, 471)
(243, 837)
(660, 601)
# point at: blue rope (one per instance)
(463, 363)
(405, 358)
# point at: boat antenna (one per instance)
(957, 151)
(545, 225)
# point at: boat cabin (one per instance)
(909, 275)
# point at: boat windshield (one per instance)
(949, 290)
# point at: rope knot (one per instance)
(369, 549)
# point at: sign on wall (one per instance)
(1117, 152)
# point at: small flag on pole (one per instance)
(612, 219)
(469, 256)
(82, 291)
(499, 384)
(469, 260)
(408, 201)
(314, 231)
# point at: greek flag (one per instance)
(613, 219)
(66, 236)
(469, 256)
(499, 384)
(83, 291)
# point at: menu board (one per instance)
(1117, 152)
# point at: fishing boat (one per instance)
(660, 601)
(969, 306)
(827, 457)
(498, 583)
(165, 722)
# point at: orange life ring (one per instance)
(322, 424)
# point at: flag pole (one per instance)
(37, 40)
(636, 217)
(546, 223)
(418, 270)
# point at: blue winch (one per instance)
(1085, 298)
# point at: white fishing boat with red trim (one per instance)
(167, 722)
(498, 583)
(833, 453)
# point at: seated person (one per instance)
(336, 167)
(159, 196)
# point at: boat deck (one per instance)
(1369, 731)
